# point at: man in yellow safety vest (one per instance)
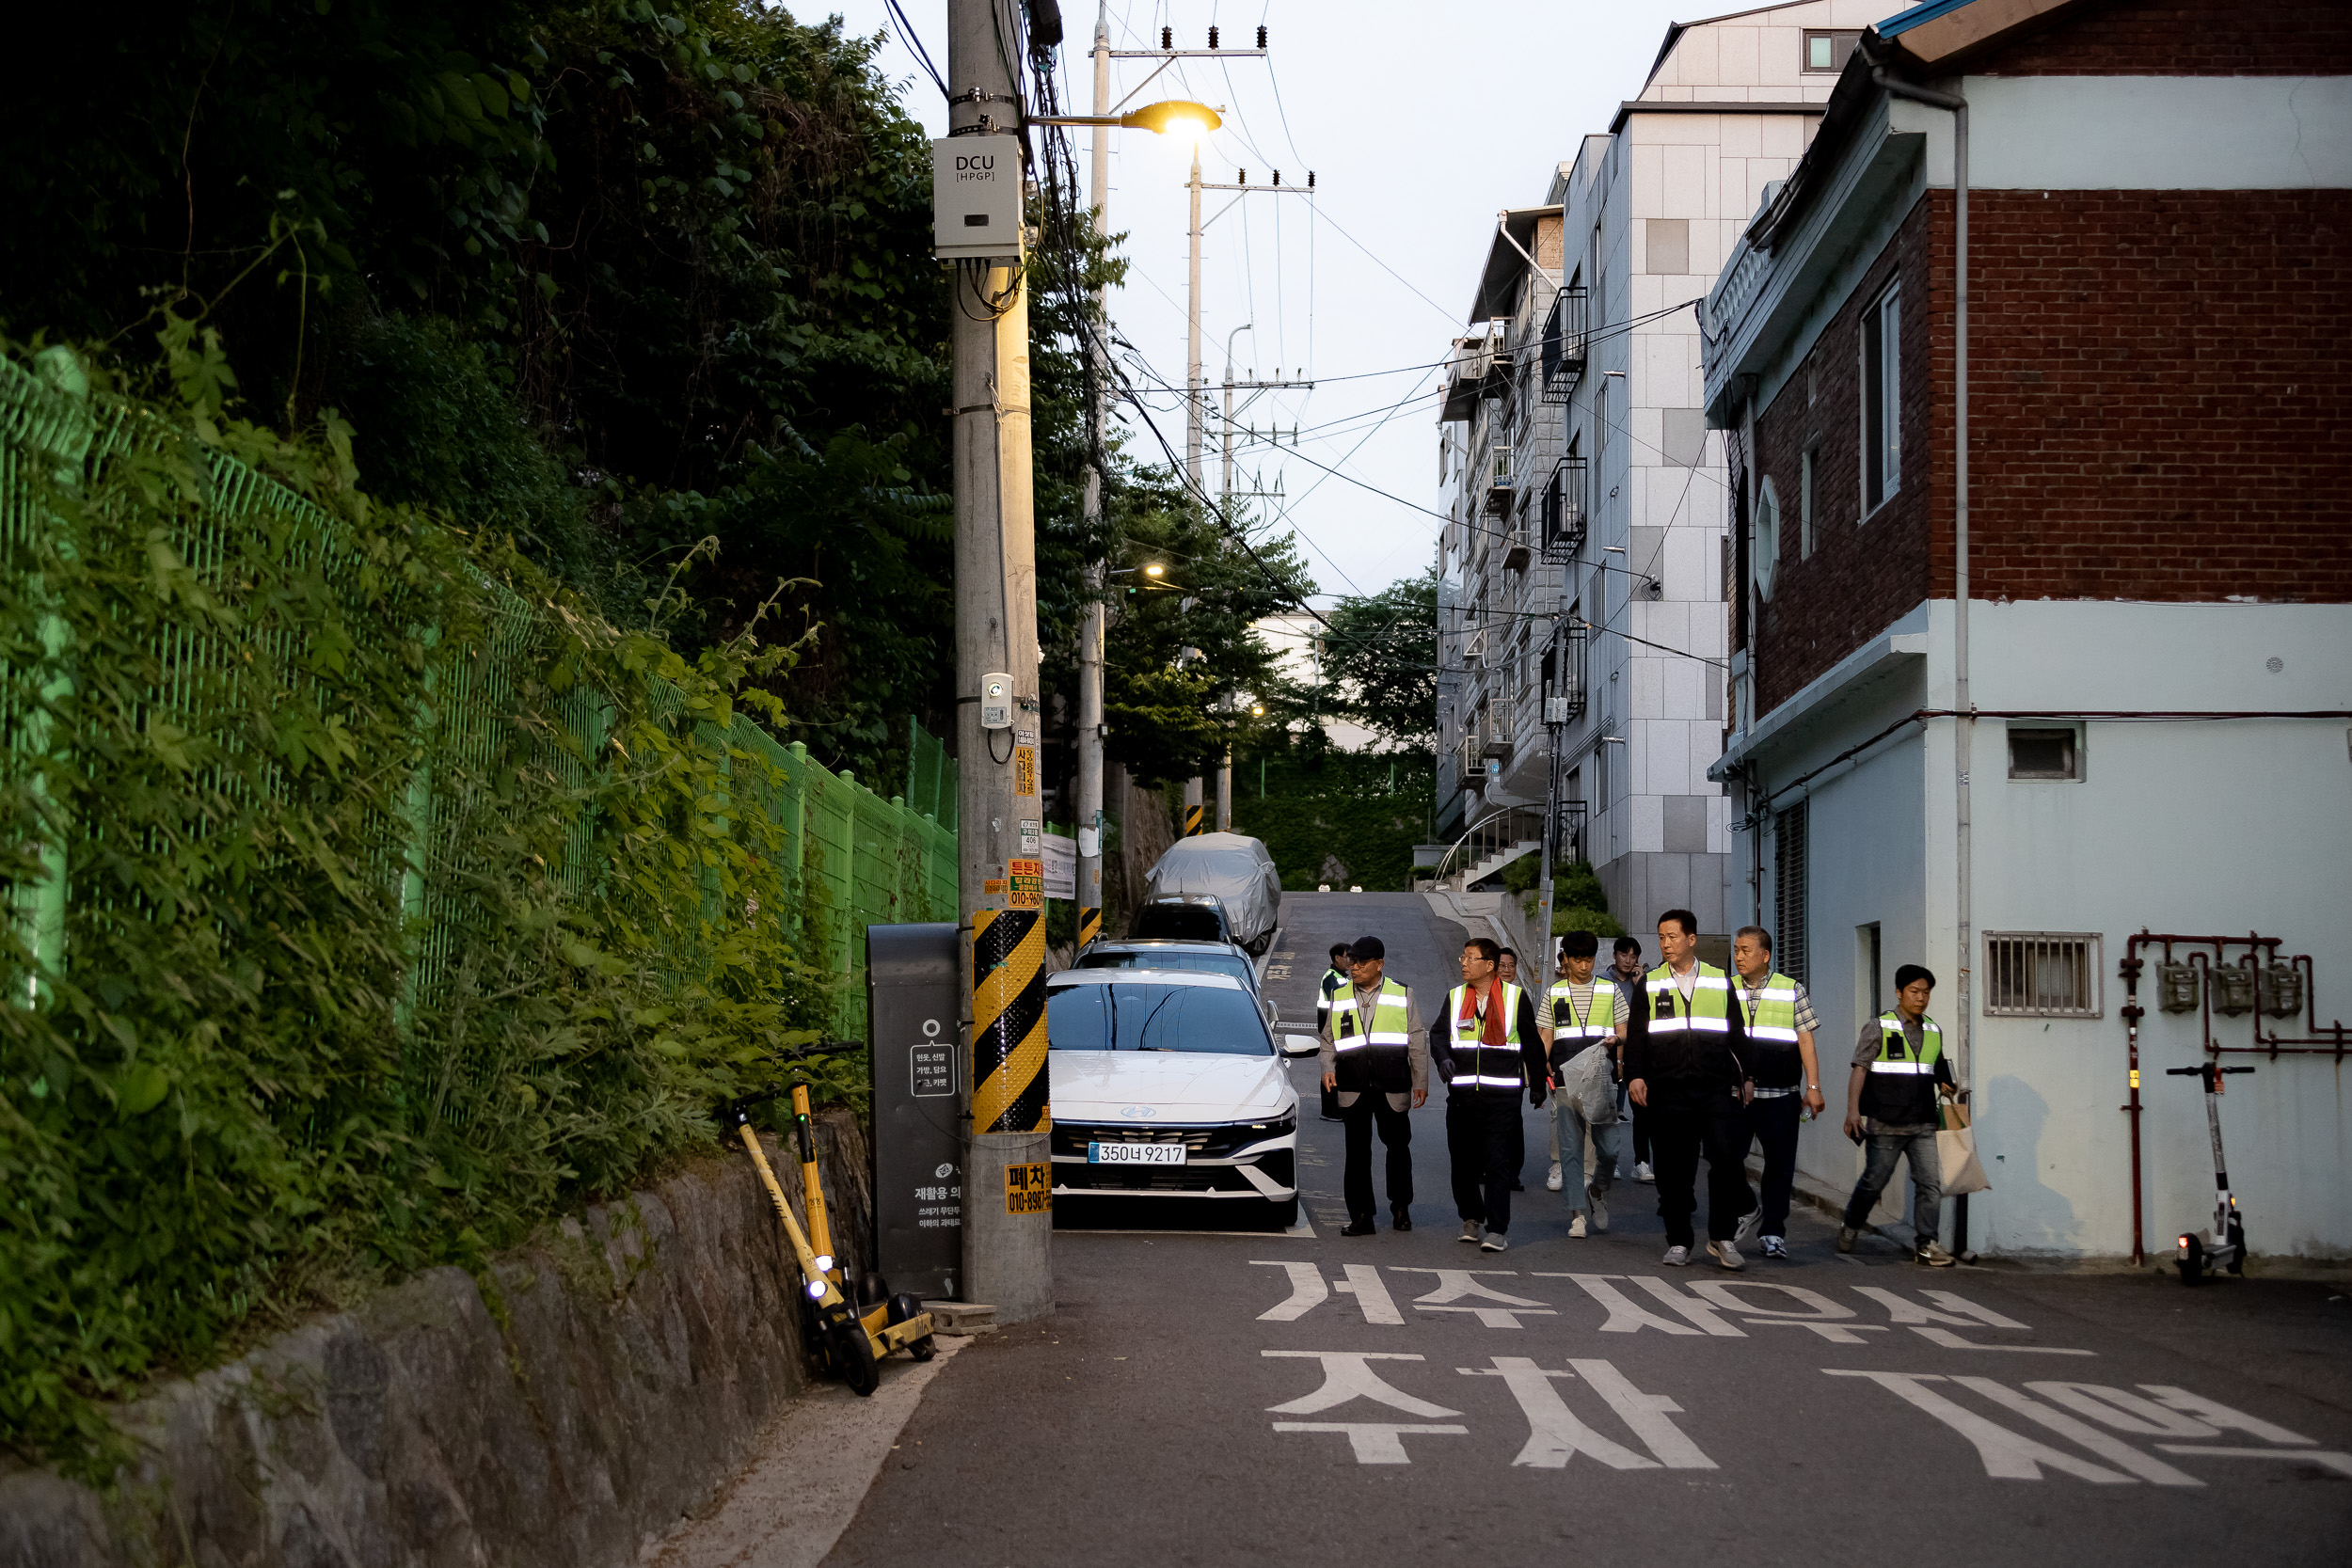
(1581, 1014)
(1787, 1074)
(1898, 1065)
(1375, 1064)
(1684, 1063)
(1489, 1052)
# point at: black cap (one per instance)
(1365, 949)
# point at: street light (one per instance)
(1154, 569)
(1174, 113)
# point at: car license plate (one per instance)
(1100, 1153)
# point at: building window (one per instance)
(1882, 400)
(1828, 52)
(2042, 975)
(1788, 946)
(1804, 504)
(2046, 752)
(1765, 548)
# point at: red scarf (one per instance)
(1493, 1033)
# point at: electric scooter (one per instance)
(851, 1341)
(2224, 1247)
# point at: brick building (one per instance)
(2158, 647)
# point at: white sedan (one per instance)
(1168, 1083)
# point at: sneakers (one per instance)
(1676, 1257)
(1470, 1231)
(1552, 1181)
(1727, 1254)
(1403, 1220)
(1776, 1247)
(1576, 1227)
(1600, 1211)
(1934, 1257)
(1494, 1241)
(1846, 1234)
(1643, 1173)
(1748, 1222)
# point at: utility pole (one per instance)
(1225, 503)
(1090, 619)
(1008, 1188)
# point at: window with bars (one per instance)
(2042, 975)
(1789, 880)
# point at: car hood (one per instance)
(1136, 1087)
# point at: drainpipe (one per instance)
(1964, 721)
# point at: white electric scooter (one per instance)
(2225, 1246)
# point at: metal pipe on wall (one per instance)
(1963, 716)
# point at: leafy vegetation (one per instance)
(1361, 811)
(251, 761)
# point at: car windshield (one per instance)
(1143, 1016)
(1213, 963)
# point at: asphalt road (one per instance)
(1215, 1398)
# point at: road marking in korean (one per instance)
(1627, 1317)
(1960, 1312)
(1491, 1306)
(1348, 1375)
(2006, 1455)
(2113, 1450)
(1375, 1442)
(1308, 1292)
(1555, 1435)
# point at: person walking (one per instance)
(1378, 1067)
(1581, 1014)
(1335, 981)
(1489, 1050)
(1685, 1051)
(1624, 973)
(1781, 1063)
(1899, 1066)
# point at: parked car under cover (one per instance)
(1232, 868)
(1168, 1083)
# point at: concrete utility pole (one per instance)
(1225, 501)
(1090, 620)
(1008, 1187)
(1193, 824)
(1195, 404)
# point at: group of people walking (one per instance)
(1698, 1064)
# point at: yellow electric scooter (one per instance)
(852, 1340)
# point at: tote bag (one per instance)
(1956, 1151)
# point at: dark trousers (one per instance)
(1640, 1118)
(1485, 1143)
(1331, 1106)
(1677, 1138)
(1773, 1124)
(1396, 1133)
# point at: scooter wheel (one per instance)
(903, 1306)
(2192, 1262)
(2238, 1250)
(853, 1356)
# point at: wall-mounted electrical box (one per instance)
(976, 198)
(996, 701)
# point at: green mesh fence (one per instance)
(852, 857)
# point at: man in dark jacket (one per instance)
(1486, 1047)
(1685, 1049)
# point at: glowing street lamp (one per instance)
(1171, 114)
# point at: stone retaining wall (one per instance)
(601, 1384)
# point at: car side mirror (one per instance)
(1300, 1045)
(1273, 1013)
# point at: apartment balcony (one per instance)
(1563, 344)
(1501, 481)
(1518, 549)
(1562, 514)
(1497, 736)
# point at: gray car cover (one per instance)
(1234, 870)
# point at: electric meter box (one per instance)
(976, 198)
(995, 700)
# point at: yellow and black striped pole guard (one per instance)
(1192, 822)
(1010, 1083)
(1090, 925)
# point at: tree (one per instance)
(1381, 657)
